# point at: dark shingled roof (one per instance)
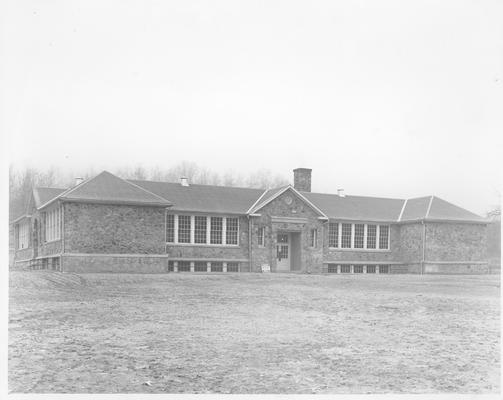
(415, 208)
(204, 198)
(441, 209)
(359, 208)
(108, 188)
(43, 194)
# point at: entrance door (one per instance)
(283, 252)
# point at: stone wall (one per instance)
(410, 243)
(113, 229)
(49, 248)
(102, 263)
(455, 242)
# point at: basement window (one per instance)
(358, 269)
(371, 269)
(217, 267)
(345, 269)
(200, 266)
(171, 266)
(232, 267)
(183, 266)
(384, 269)
(332, 268)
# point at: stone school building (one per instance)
(109, 224)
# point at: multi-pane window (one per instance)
(314, 237)
(346, 236)
(384, 269)
(371, 236)
(23, 231)
(371, 269)
(200, 227)
(200, 266)
(332, 268)
(53, 224)
(184, 227)
(232, 267)
(183, 266)
(261, 236)
(333, 235)
(216, 230)
(231, 232)
(217, 267)
(383, 236)
(170, 228)
(359, 236)
(345, 269)
(358, 269)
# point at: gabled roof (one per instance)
(272, 194)
(108, 188)
(204, 198)
(43, 194)
(359, 208)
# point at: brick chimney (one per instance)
(302, 179)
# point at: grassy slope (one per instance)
(253, 333)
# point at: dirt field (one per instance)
(252, 333)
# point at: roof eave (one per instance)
(117, 202)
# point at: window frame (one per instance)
(370, 237)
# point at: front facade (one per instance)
(107, 224)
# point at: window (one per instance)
(184, 225)
(200, 229)
(170, 228)
(371, 269)
(345, 269)
(23, 239)
(384, 269)
(216, 230)
(332, 268)
(231, 232)
(314, 237)
(171, 266)
(183, 266)
(217, 267)
(346, 236)
(200, 266)
(232, 267)
(359, 232)
(333, 235)
(358, 269)
(53, 224)
(261, 236)
(383, 236)
(371, 236)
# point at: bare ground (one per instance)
(252, 333)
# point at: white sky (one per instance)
(385, 98)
